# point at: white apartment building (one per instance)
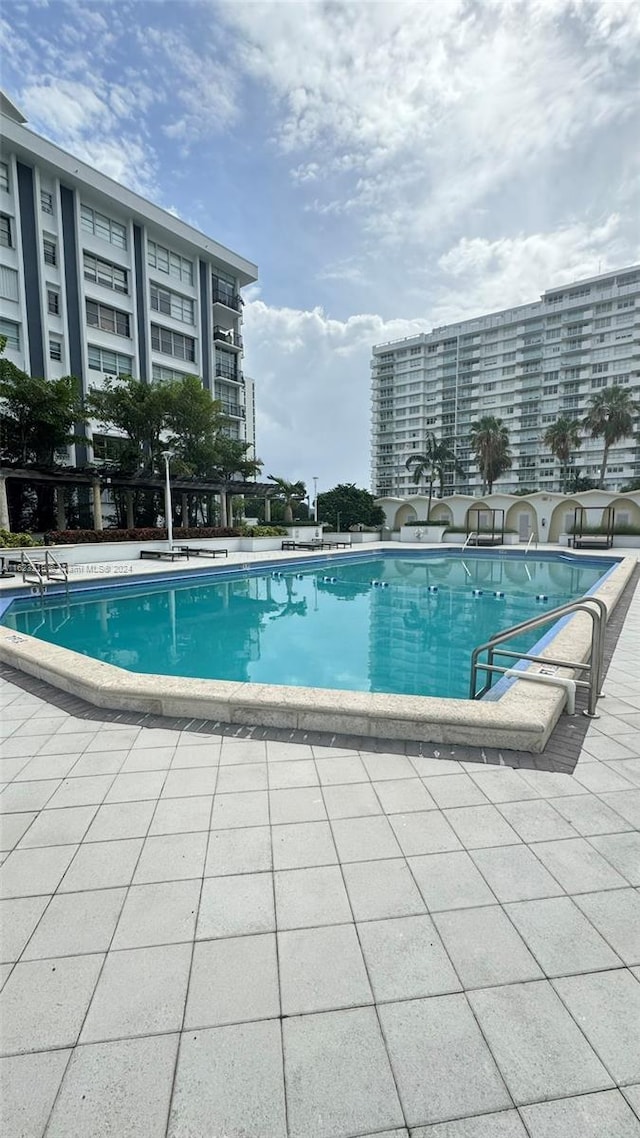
(96, 282)
(528, 366)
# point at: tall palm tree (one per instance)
(562, 437)
(489, 439)
(610, 417)
(291, 492)
(425, 465)
(445, 458)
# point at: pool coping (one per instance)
(522, 719)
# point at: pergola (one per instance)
(97, 480)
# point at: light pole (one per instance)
(315, 498)
(168, 508)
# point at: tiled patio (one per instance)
(210, 936)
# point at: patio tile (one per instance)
(171, 857)
(43, 1003)
(600, 1115)
(21, 796)
(607, 1007)
(238, 851)
(502, 784)
(578, 866)
(29, 1087)
(405, 959)
(485, 948)
(623, 852)
(603, 748)
(98, 763)
(27, 873)
(10, 768)
(481, 826)
(379, 889)
(338, 1077)
(383, 767)
(278, 751)
(205, 754)
(290, 774)
(229, 1082)
(46, 767)
(309, 897)
(148, 759)
(236, 905)
(321, 969)
(156, 737)
(121, 820)
(302, 804)
(354, 801)
(231, 811)
(628, 768)
(551, 784)
(232, 981)
(506, 1124)
(365, 839)
(515, 874)
(537, 820)
(454, 790)
(18, 919)
(24, 746)
(242, 751)
(441, 1063)
(12, 827)
(113, 738)
(626, 803)
(560, 937)
(141, 992)
(83, 791)
(616, 915)
(102, 865)
(632, 1095)
(122, 1088)
(343, 769)
(135, 786)
(426, 766)
(76, 923)
(450, 881)
(404, 795)
(589, 815)
(424, 833)
(303, 844)
(66, 744)
(181, 815)
(58, 827)
(245, 776)
(162, 913)
(187, 781)
(540, 1051)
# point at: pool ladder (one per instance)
(39, 572)
(593, 667)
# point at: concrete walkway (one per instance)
(207, 937)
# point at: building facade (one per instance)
(97, 282)
(528, 366)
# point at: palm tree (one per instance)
(562, 437)
(610, 418)
(489, 439)
(291, 492)
(425, 465)
(445, 458)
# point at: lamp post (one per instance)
(168, 508)
(315, 498)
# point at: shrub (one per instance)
(264, 531)
(621, 528)
(96, 536)
(17, 540)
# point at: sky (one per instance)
(390, 167)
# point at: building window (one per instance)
(101, 226)
(50, 252)
(46, 201)
(171, 304)
(4, 177)
(53, 302)
(105, 274)
(11, 330)
(172, 343)
(166, 374)
(111, 363)
(108, 448)
(5, 231)
(8, 283)
(107, 319)
(171, 263)
(599, 369)
(55, 349)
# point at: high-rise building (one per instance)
(96, 282)
(528, 366)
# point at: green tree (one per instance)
(290, 492)
(38, 415)
(437, 457)
(562, 437)
(489, 439)
(346, 505)
(610, 417)
(138, 409)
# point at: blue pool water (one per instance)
(323, 626)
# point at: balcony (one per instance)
(225, 297)
(229, 375)
(228, 337)
(233, 410)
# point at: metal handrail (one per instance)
(474, 533)
(593, 666)
(48, 570)
(531, 537)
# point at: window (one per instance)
(171, 304)
(105, 274)
(53, 302)
(602, 382)
(107, 448)
(107, 319)
(112, 363)
(50, 252)
(8, 283)
(5, 231)
(171, 263)
(172, 343)
(105, 227)
(416, 351)
(166, 374)
(598, 369)
(11, 330)
(551, 390)
(46, 201)
(4, 177)
(55, 349)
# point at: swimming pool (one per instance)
(384, 623)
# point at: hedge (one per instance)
(17, 540)
(77, 536)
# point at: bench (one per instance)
(190, 551)
(162, 554)
(302, 545)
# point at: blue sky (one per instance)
(390, 167)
